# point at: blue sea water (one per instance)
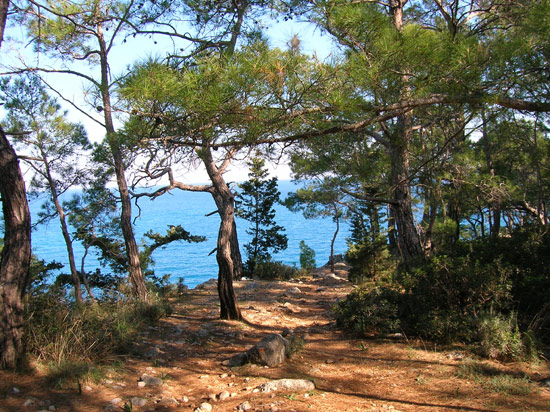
(191, 261)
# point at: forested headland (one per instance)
(425, 128)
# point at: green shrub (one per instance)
(368, 259)
(448, 297)
(307, 257)
(369, 311)
(271, 270)
(444, 296)
(499, 338)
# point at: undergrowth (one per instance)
(495, 380)
(73, 341)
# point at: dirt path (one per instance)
(187, 349)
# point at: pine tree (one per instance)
(256, 204)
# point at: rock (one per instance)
(270, 351)
(223, 395)
(152, 353)
(237, 360)
(28, 402)
(204, 407)
(15, 390)
(115, 401)
(294, 385)
(455, 356)
(245, 406)
(87, 388)
(168, 401)
(135, 401)
(292, 291)
(141, 384)
(151, 380)
(210, 283)
(212, 397)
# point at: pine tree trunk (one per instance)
(132, 251)
(229, 308)
(236, 254)
(64, 230)
(408, 241)
(16, 256)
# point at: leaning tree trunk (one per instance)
(229, 308)
(64, 231)
(132, 251)
(16, 256)
(408, 240)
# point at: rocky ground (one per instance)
(181, 365)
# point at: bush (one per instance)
(368, 259)
(449, 297)
(499, 338)
(271, 270)
(369, 311)
(444, 296)
(58, 333)
(307, 257)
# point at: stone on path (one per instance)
(292, 291)
(204, 407)
(270, 351)
(295, 385)
(151, 380)
(138, 401)
(245, 406)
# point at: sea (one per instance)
(192, 261)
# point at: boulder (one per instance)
(270, 351)
(210, 283)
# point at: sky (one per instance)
(279, 34)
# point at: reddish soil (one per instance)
(349, 374)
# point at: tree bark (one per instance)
(408, 241)
(64, 229)
(236, 254)
(15, 259)
(224, 198)
(132, 250)
(16, 256)
(334, 236)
